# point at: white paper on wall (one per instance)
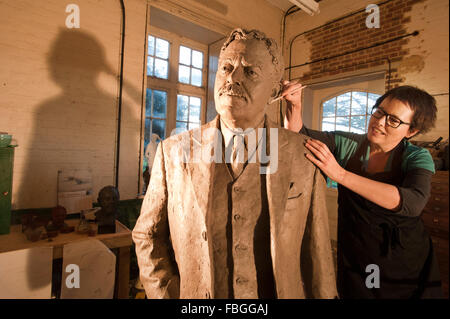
(75, 190)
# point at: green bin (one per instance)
(6, 175)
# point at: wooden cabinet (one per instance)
(435, 218)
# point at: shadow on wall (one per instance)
(75, 129)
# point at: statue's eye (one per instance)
(227, 67)
(251, 72)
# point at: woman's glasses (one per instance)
(391, 120)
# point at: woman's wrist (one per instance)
(341, 177)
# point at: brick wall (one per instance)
(364, 46)
(336, 43)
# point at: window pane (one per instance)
(196, 77)
(161, 67)
(342, 124)
(182, 107)
(162, 49)
(158, 127)
(343, 104)
(185, 55)
(151, 45)
(371, 101)
(359, 102)
(329, 107)
(197, 59)
(194, 111)
(148, 106)
(150, 66)
(183, 74)
(193, 125)
(328, 124)
(195, 101)
(358, 124)
(367, 123)
(159, 104)
(181, 127)
(147, 132)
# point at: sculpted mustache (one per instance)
(232, 89)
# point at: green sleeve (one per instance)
(417, 157)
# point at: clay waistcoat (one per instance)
(240, 228)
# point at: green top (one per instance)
(413, 156)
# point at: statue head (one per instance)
(108, 198)
(249, 74)
(59, 214)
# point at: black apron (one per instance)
(369, 234)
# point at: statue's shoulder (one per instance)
(184, 138)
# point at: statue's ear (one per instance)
(276, 91)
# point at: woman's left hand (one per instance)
(325, 160)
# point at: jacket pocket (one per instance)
(294, 192)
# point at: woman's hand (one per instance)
(292, 93)
(325, 160)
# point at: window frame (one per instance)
(190, 66)
(349, 116)
(155, 57)
(171, 85)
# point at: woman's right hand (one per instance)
(292, 93)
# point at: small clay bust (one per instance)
(108, 198)
(57, 224)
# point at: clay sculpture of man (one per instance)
(234, 208)
(108, 198)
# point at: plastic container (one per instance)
(5, 140)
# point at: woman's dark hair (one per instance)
(422, 103)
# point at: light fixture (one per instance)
(309, 6)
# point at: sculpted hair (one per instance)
(108, 189)
(422, 103)
(271, 45)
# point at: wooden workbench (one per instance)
(121, 239)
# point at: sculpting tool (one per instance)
(280, 97)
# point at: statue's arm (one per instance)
(316, 254)
(158, 270)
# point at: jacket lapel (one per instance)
(278, 181)
(277, 190)
(201, 171)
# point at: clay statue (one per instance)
(57, 224)
(228, 223)
(108, 198)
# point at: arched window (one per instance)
(349, 112)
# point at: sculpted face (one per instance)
(244, 82)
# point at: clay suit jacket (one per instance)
(171, 233)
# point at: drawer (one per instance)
(440, 245)
(438, 199)
(437, 210)
(440, 177)
(436, 224)
(439, 189)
